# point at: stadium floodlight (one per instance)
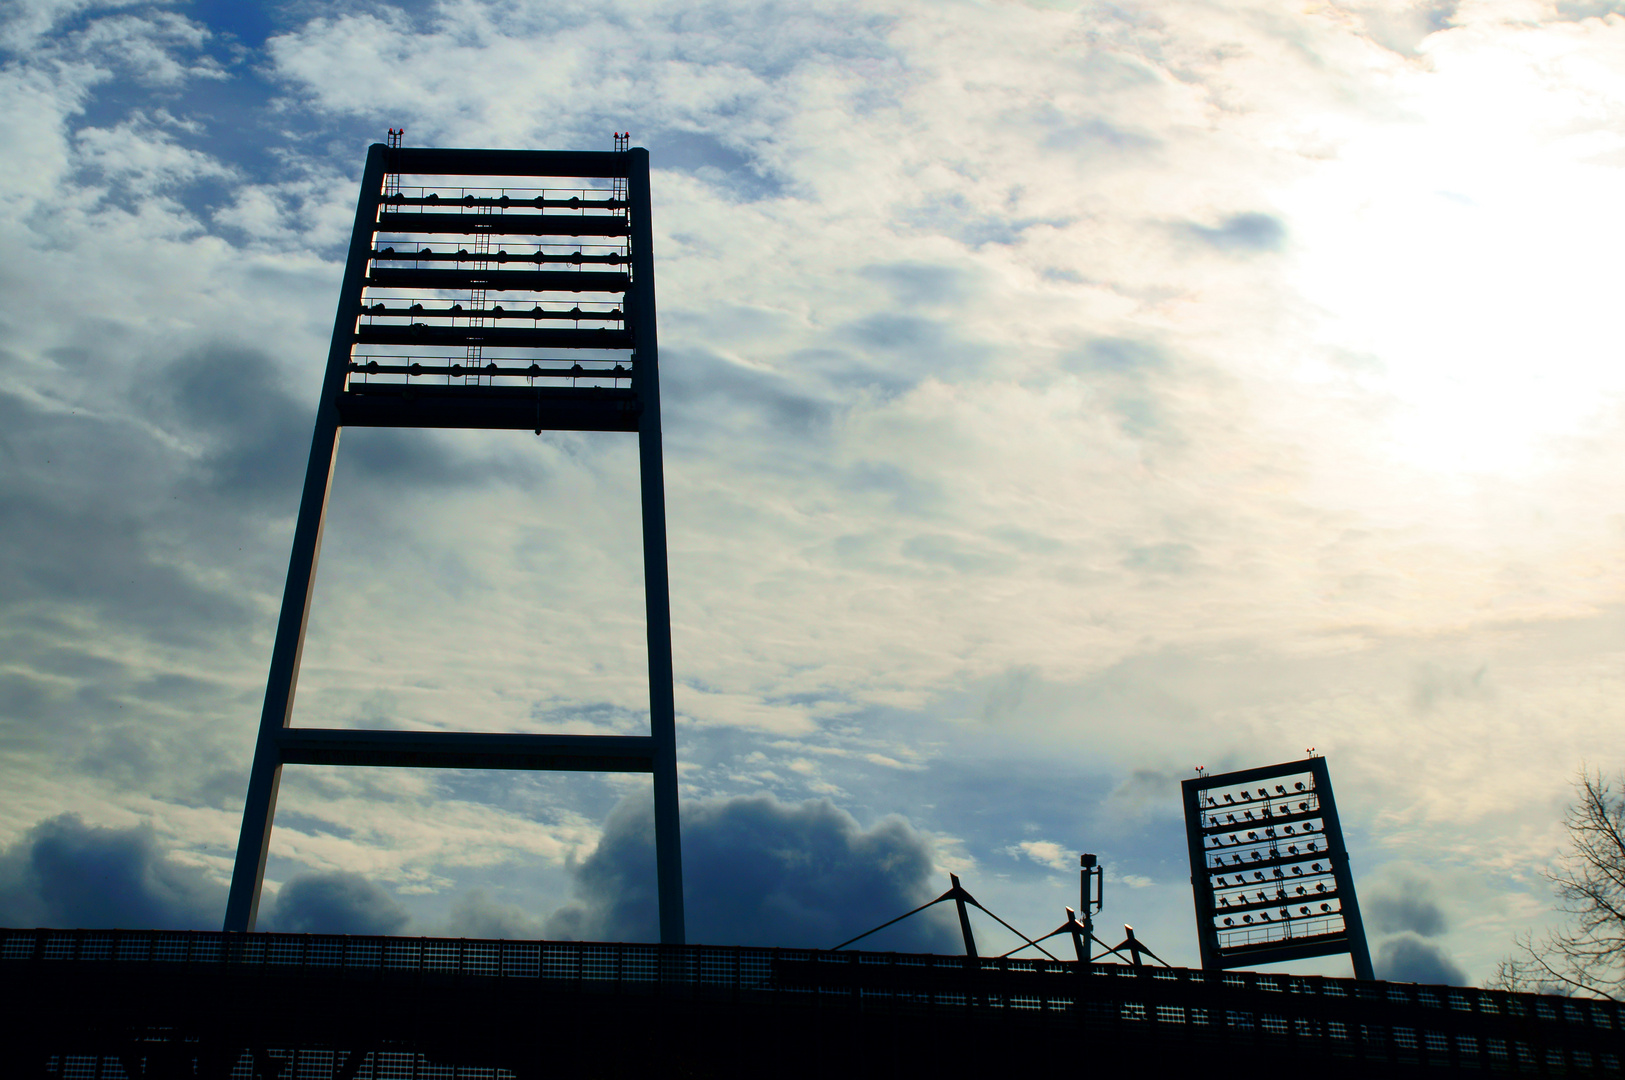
(1235, 927)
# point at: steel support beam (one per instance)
(466, 750)
(656, 587)
(265, 776)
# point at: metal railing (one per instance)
(1462, 1027)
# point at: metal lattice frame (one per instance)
(1269, 869)
(554, 329)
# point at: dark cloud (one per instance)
(901, 350)
(710, 159)
(258, 433)
(909, 493)
(760, 872)
(476, 915)
(1433, 685)
(1124, 370)
(1242, 234)
(1404, 906)
(914, 284)
(702, 391)
(1588, 9)
(1407, 958)
(66, 873)
(1095, 135)
(89, 517)
(1118, 356)
(335, 903)
(952, 215)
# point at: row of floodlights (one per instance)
(1267, 837)
(1280, 892)
(613, 258)
(574, 202)
(1263, 793)
(575, 371)
(1286, 913)
(1275, 852)
(1212, 820)
(1252, 856)
(1297, 871)
(496, 311)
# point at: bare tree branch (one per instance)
(1589, 958)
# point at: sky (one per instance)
(1057, 396)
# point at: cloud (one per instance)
(760, 872)
(476, 915)
(1242, 234)
(948, 396)
(1404, 905)
(66, 873)
(336, 903)
(1408, 958)
(1045, 853)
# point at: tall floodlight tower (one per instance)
(509, 289)
(1269, 870)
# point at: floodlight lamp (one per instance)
(1280, 789)
(1086, 860)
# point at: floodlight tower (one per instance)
(496, 289)
(1269, 870)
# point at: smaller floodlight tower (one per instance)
(1269, 869)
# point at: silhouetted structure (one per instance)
(500, 289)
(963, 902)
(1269, 870)
(106, 1004)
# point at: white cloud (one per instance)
(1045, 853)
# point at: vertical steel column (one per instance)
(1353, 925)
(242, 905)
(656, 588)
(1207, 935)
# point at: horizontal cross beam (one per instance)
(466, 750)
